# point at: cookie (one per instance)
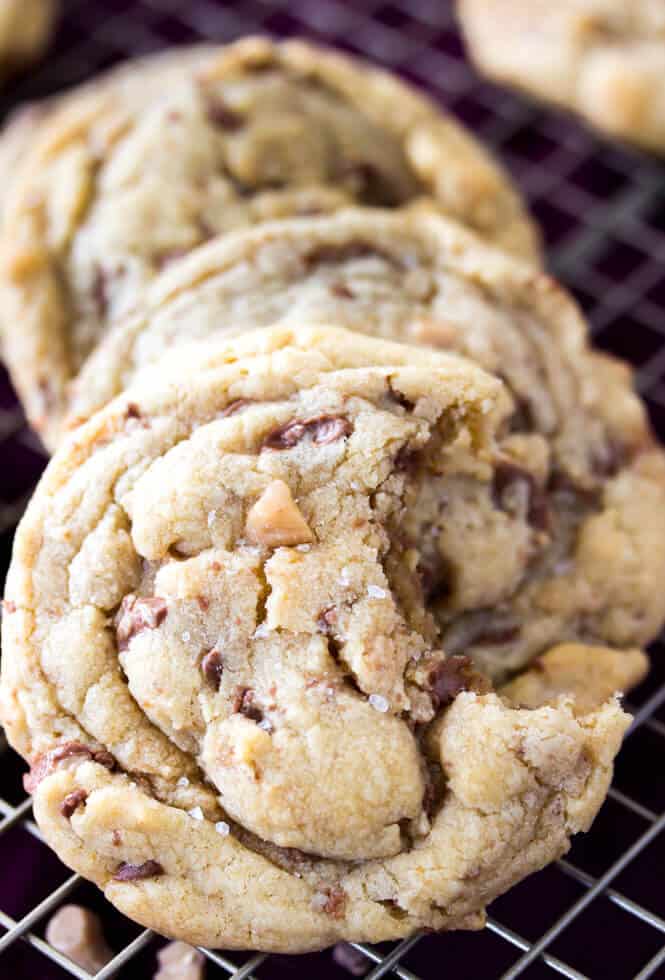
(568, 543)
(236, 760)
(605, 59)
(120, 183)
(25, 29)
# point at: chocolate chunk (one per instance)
(136, 615)
(351, 959)
(235, 406)
(72, 801)
(243, 704)
(212, 667)
(219, 113)
(135, 872)
(336, 254)
(369, 185)
(103, 758)
(449, 678)
(133, 411)
(323, 429)
(511, 485)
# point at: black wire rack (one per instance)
(601, 911)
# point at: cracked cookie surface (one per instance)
(567, 542)
(239, 716)
(605, 59)
(122, 181)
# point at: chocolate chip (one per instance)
(100, 291)
(369, 184)
(243, 704)
(132, 411)
(219, 113)
(511, 486)
(233, 407)
(212, 667)
(135, 872)
(607, 459)
(497, 634)
(136, 615)
(103, 758)
(327, 619)
(323, 429)
(47, 762)
(341, 290)
(203, 602)
(449, 678)
(351, 959)
(72, 801)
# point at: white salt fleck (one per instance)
(196, 813)
(378, 702)
(265, 724)
(303, 547)
(183, 781)
(222, 828)
(345, 576)
(375, 592)
(485, 405)
(262, 630)
(212, 517)
(186, 636)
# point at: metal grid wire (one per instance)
(601, 912)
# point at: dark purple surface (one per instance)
(603, 212)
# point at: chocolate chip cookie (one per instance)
(122, 182)
(221, 662)
(25, 29)
(567, 542)
(603, 58)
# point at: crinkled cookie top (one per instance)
(221, 663)
(567, 541)
(127, 178)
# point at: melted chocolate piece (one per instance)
(136, 615)
(212, 667)
(508, 479)
(243, 704)
(449, 678)
(219, 113)
(323, 429)
(47, 762)
(72, 801)
(136, 872)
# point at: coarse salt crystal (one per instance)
(222, 828)
(265, 724)
(261, 630)
(183, 781)
(303, 547)
(378, 702)
(375, 592)
(212, 517)
(196, 813)
(186, 636)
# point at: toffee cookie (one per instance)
(568, 541)
(25, 29)
(603, 58)
(119, 184)
(236, 760)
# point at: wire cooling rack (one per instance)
(600, 912)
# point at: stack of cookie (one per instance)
(315, 622)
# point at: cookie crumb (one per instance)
(178, 961)
(76, 932)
